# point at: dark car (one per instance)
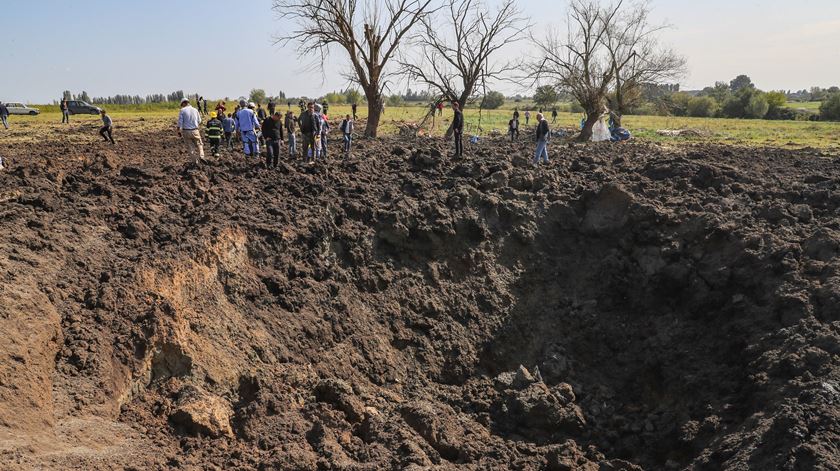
(81, 107)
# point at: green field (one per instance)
(790, 134)
(804, 105)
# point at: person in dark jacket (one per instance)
(513, 128)
(65, 112)
(543, 134)
(4, 115)
(458, 129)
(272, 131)
(310, 126)
(290, 125)
(261, 113)
(347, 131)
(272, 107)
(354, 107)
(107, 128)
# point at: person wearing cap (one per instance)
(310, 126)
(214, 133)
(248, 125)
(188, 122)
(107, 127)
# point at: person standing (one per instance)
(354, 107)
(516, 114)
(272, 107)
(458, 129)
(106, 131)
(553, 115)
(214, 133)
(347, 131)
(65, 112)
(272, 130)
(189, 120)
(325, 129)
(4, 115)
(221, 108)
(310, 126)
(440, 108)
(247, 124)
(261, 113)
(513, 128)
(542, 140)
(204, 106)
(290, 131)
(228, 126)
(527, 117)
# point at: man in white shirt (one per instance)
(188, 122)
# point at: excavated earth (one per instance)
(626, 307)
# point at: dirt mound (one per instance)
(627, 307)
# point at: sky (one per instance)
(106, 47)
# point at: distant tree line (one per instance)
(740, 98)
(175, 96)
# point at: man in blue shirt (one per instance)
(228, 126)
(247, 125)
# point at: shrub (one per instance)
(395, 100)
(702, 107)
(830, 108)
(546, 96)
(492, 100)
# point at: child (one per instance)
(347, 131)
(214, 133)
(228, 125)
(105, 130)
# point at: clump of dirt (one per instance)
(625, 307)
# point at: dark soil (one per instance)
(626, 307)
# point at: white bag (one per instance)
(601, 132)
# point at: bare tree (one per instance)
(454, 48)
(637, 57)
(369, 32)
(579, 64)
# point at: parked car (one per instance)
(81, 107)
(20, 108)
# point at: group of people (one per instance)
(252, 126)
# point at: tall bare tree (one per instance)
(455, 48)
(578, 63)
(637, 56)
(369, 31)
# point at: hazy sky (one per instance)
(154, 46)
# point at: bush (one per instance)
(830, 108)
(334, 98)
(702, 107)
(757, 106)
(353, 96)
(395, 100)
(777, 101)
(679, 104)
(257, 96)
(492, 100)
(546, 96)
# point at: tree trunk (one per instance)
(374, 113)
(586, 133)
